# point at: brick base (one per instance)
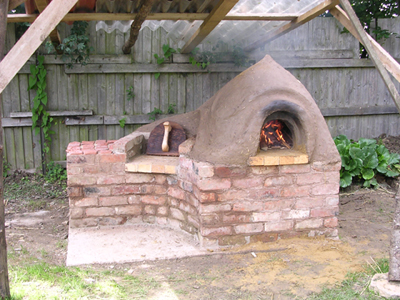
(222, 205)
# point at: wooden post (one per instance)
(394, 252)
(4, 282)
(137, 24)
(371, 51)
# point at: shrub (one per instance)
(364, 159)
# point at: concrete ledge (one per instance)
(278, 158)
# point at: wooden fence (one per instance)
(89, 102)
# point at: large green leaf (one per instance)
(366, 142)
(345, 179)
(356, 153)
(383, 153)
(371, 161)
(392, 173)
(367, 173)
(382, 167)
(393, 159)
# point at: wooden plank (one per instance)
(358, 111)
(84, 104)
(394, 252)
(371, 51)
(72, 133)
(213, 19)
(387, 60)
(32, 39)
(136, 119)
(12, 4)
(92, 120)
(110, 104)
(71, 17)
(54, 36)
(304, 18)
(28, 114)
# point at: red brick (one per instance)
(236, 218)
(204, 197)
(248, 182)
(212, 184)
(326, 189)
(264, 237)
(186, 146)
(233, 195)
(76, 213)
(150, 209)
(126, 190)
(97, 190)
(173, 202)
(74, 191)
(104, 152)
(266, 216)
(323, 167)
(278, 226)
(332, 177)
(203, 169)
(132, 210)
(115, 168)
(324, 212)
(249, 228)
(134, 199)
(307, 179)
(232, 240)
(278, 180)
(73, 144)
(223, 171)
(210, 208)
(278, 205)
(194, 221)
(156, 200)
(296, 214)
(309, 224)
(160, 190)
(264, 193)
(99, 211)
(112, 221)
(162, 210)
(74, 170)
(87, 143)
(112, 158)
(72, 153)
(265, 170)
(248, 206)
(100, 142)
(83, 223)
(87, 202)
(139, 178)
(176, 193)
(331, 222)
(80, 180)
(216, 231)
(302, 191)
(176, 214)
(332, 201)
(111, 201)
(309, 203)
(89, 151)
(294, 169)
(160, 179)
(111, 179)
(90, 169)
(185, 185)
(210, 219)
(81, 159)
(192, 200)
(186, 163)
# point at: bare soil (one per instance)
(286, 269)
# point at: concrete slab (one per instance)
(385, 288)
(128, 243)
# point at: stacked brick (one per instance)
(223, 205)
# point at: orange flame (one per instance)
(275, 134)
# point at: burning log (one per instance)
(275, 134)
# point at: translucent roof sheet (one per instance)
(231, 32)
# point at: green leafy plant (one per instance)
(6, 167)
(167, 51)
(364, 159)
(130, 94)
(55, 173)
(171, 109)
(40, 117)
(122, 122)
(153, 114)
(75, 48)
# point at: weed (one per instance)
(130, 94)
(171, 109)
(122, 122)
(6, 167)
(55, 173)
(153, 114)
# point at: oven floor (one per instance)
(127, 244)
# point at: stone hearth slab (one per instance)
(275, 157)
(127, 244)
(153, 164)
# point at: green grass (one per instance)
(44, 281)
(355, 286)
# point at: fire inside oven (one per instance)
(275, 134)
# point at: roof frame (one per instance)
(304, 18)
(213, 19)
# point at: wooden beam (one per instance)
(387, 60)
(137, 24)
(214, 18)
(54, 36)
(304, 18)
(4, 280)
(371, 51)
(12, 4)
(15, 18)
(32, 39)
(28, 114)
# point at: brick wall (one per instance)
(222, 205)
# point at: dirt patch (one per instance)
(285, 269)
